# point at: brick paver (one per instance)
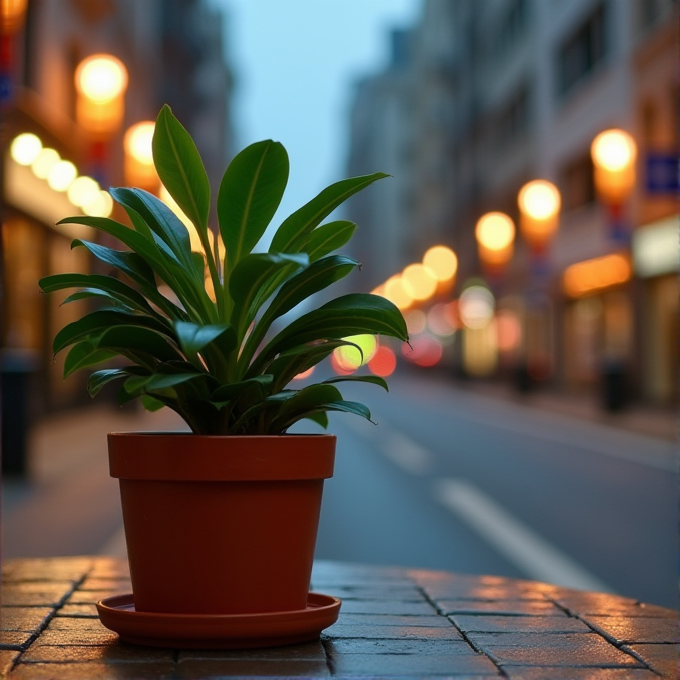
(394, 623)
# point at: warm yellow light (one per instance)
(61, 175)
(476, 306)
(100, 206)
(613, 150)
(101, 78)
(585, 277)
(442, 262)
(137, 142)
(395, 292)
(419, 282)
(539, 200)
(12, 14)
(25, 148)
(82, 191)
(44, 162)
(495, 231)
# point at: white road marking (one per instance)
(395, 446)
(530, 553)
(406, 453)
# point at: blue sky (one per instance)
(295, 62)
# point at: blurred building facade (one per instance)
(495, 93)
(173, 52)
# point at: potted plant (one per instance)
(220, 522)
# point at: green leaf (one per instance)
(374, 379)
(116, 289)
(91, 324)
(194, 338)
(249, 195)
(292, 235)
(150, 403)
(329, 237)
(85, 354)
(160, 219)
(251, 277)
(180, 168)
(138, 341)
(228, 392)
(319, 417)
(100, 378)
(348, 315)
(316, 277)
(299, 359)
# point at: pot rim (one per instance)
(165, 456)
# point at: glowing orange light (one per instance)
(337, 366)
(495, 233)
(614, 153)
(585, 277)
(508, 330)
(139, 167)
(12, 15)
(383, 363)
(442, 262)
(419, 282)
(539, 203)
(101, 81)
(395, 292)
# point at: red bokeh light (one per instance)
(339, 368)
(426, 351)
(383, 362)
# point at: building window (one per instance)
(577, 184)
(583, 51)
(512, 121)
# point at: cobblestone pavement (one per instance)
(394, 623)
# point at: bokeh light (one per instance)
(61, 175)
(305, 374)
(419, 282)
(337, 366)
(425, 351)
(442, 262)
(383, 362)
(613, 150)
(476, 306)
(539, 200)
(25, 148)
(416, 320)
(100, 206)
(508, 330)
(44, 162)
(82, 191)
(350, 358)
(101, 78)
(439, 321)
(137, 142)
(601, 272)
(495, 231)
(396, 292)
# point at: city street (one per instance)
(450, 479)
(455, 480)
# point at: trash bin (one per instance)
(614, 387)
(16, 368)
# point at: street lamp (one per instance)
(139, 167)
(539, 204)
(495, 234)
(101, 81)
(614, 153)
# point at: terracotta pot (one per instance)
(220, 525)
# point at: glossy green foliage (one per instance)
(210, 351)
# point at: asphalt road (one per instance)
(463, 482)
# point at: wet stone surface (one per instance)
(393, 623)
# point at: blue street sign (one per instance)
(661, 173)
